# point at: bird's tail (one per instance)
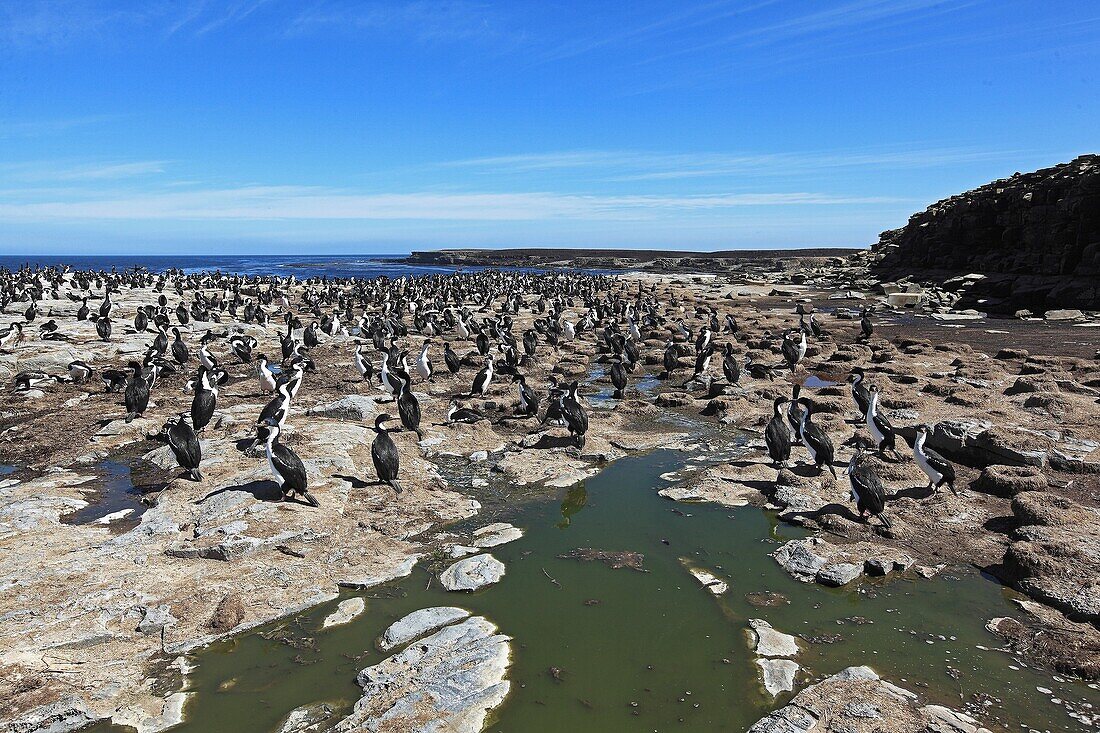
(832, 470)
(310, 498)
(885, 521)
(195, 474)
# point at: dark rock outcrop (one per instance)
(1035, 237)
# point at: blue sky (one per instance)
(296, 126)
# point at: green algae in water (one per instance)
(618, 650)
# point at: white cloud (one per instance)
(637, 166)
(54, 171)
(273, 203)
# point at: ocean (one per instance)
(302, 266)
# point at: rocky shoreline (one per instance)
(92, 612)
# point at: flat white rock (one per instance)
(448, 681)
(419, 623)
(345, 612)
(709, 580)
(472, 573)
(778, 675)
(767, 642)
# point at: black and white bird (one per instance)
(860, 393)
(423, 363)
(777, 435)
(11, 335)
(528, 398)
(618, 378)
(576, 418)
(242, 347)
(137, 393)
(880, 428)
(362, 363)
(278, 407)
(79, 371)
(704, 340)
(794, 348)
(816, 440)
(731, 365)
(179, 348)
(103, 328)
(483, 378)
(867, 490)
(702, 364)
(30, 379)
(671, 359)
(865, 325)
(759, 370)
(450, 358)
(408, 409)
(206, 359)
(264, 375)
(285, 465)
(937, 468)
(387, 461)
(204, 401)
(114, 379)
(457, 414)
(185, 446)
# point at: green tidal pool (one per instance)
(621, 650)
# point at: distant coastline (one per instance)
(615, 259)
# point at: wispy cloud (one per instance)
(423, 20)
(37, 128)
(639, 166)
(52, 171)
(272, 203)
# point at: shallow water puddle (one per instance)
(618, 650)
(113, 500)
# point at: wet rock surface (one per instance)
(857, 700)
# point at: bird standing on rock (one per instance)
(937, 468)
(137, 393)
(816, 440)
(204, 401)
(777, 436)
(185, 446)
(880, 428)
(285, 465)
(483, 378)
(387, 462)
(867, 490)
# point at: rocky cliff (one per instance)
(1034, 236)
